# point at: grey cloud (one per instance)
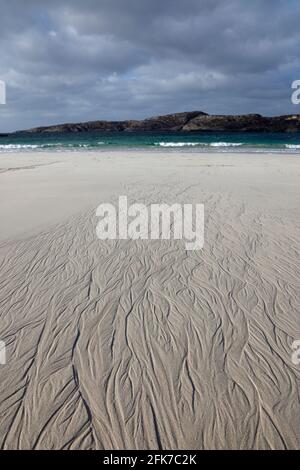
(73, 60)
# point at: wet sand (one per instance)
(141, 344)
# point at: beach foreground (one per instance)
(142, 344)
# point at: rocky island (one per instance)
(194, 121)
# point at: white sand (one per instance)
(136, 344)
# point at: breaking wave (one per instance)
(225, 144)
(292, 146)
(198, 144)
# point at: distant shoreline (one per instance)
(187, 122)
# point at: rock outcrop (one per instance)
(195, 121)
(244, 123)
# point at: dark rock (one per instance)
(195, 121)
(244, 123)
(169, 122)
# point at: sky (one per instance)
(71, 60)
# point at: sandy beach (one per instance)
(141, 344)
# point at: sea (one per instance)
(195, 142)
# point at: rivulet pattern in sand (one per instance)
(144, 345)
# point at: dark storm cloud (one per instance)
(75, 60)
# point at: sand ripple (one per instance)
(144, 345)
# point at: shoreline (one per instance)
(156, 149)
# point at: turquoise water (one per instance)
(205, 142)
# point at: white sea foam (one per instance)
(17, 146)
(178, 144)
(28, 146)
(199, 144)
(46, 146)
(225, 144)
(292, 146)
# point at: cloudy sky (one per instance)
(76, 60)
